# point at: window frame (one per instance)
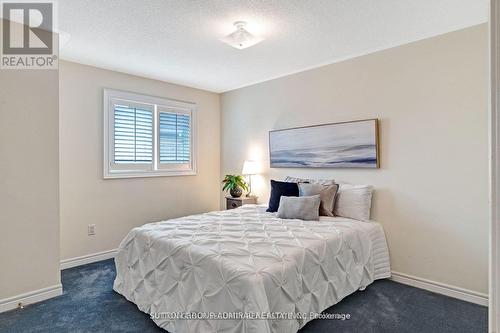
(113, 170)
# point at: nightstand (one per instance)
(232, 203)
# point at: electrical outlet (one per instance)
(91, 229)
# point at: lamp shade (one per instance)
(250, 168)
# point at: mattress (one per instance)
(245, 270)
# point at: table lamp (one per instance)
(250, 168)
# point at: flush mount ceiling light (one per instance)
(241, 38)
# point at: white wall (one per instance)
(432, 187)
(118, 205)
(29, 181)
(494, 277)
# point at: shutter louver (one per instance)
(133, 135)
(175, 138)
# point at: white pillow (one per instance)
(325, 182)
(354, 201)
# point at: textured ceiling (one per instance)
(178, 40)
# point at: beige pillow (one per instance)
(327, 195)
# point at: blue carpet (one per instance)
(89, 304)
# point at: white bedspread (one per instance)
(246, 260)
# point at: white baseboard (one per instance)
(10, 303)
(437, 287)
(441, 288)
(87, 259)
(35, 296)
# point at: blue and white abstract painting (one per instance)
(342, 145)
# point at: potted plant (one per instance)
(235, 184)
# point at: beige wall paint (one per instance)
(118, 205)
(432, 187)
(29, 181)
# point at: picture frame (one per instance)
(349, 144)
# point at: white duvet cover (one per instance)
(227, 268)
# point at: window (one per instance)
(174, 138)
(133, 133)
(147, 136)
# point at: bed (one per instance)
(245, 270)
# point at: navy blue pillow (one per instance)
(277, 190)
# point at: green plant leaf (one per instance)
(234, 181)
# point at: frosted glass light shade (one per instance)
(241, 38)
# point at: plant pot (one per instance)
(236, 192)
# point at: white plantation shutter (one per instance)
(133, 135)
(147, 136)
(175, 137)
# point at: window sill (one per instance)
(141, 174)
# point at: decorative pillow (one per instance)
(354, 201)
(302, 208)
(326, 193)
(277, 190)
(310, 181)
